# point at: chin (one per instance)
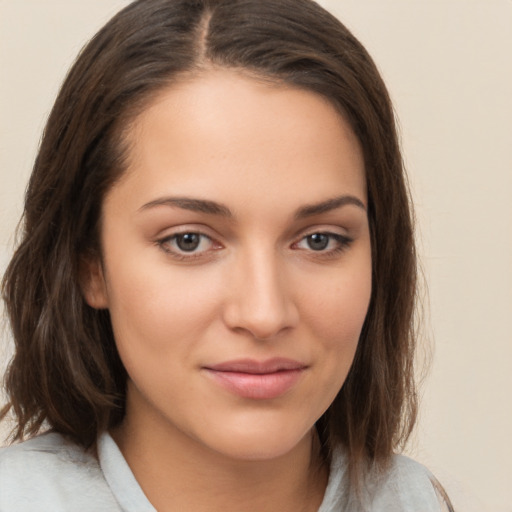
(259, 442)
(256, 451)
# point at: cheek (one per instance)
(157, 311)
(336, 317)
(338, 310)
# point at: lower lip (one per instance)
(263, 386)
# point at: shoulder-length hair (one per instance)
(66, 373)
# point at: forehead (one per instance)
(206, 134)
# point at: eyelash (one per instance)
(342, 243)
(164, 244)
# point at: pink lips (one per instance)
(261, 380)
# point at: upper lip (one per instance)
(257, 367)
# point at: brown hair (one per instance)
(66, 372)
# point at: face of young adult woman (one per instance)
(236, 267)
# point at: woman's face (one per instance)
(236, 263)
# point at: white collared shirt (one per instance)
(51, 474)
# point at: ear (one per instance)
(92, 282)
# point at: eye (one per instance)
(329, 243)
(187, 244)
(318, 241)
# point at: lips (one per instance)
(258, 380)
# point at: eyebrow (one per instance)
(214, 208)
(188, 203)
(328, 205)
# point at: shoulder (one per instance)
(407, 485)
(49, 472)
(45, 449)
(404, 469)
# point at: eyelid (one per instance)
(343, 241)
(331, 234)
(327, 229)
(181, 228)
(163, 242)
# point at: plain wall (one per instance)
(448, 66)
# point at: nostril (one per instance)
(264, 320)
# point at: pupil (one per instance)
(318, 241)
(188, 242)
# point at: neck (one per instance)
(178, 473)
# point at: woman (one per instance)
(212, 300)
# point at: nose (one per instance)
(260, 300)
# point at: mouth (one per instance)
(257, 380)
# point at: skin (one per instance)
(254, 287)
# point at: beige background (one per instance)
(448, 67)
